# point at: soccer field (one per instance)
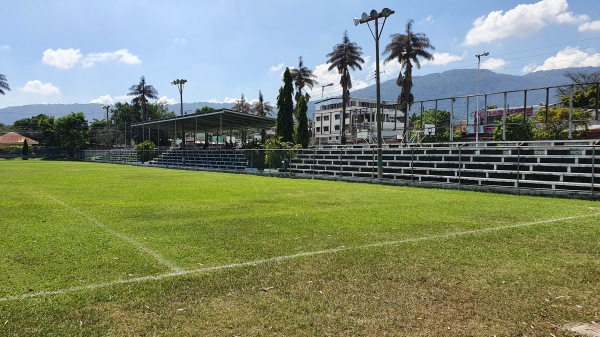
(99, 249)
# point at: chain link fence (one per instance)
(566, 168)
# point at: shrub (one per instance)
(145, 151)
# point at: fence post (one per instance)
(412, 163)
(340, 161)
(373, 163)
(460, 164)
(594, 165)
(518, 167)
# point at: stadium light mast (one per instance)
(476, 119)
(323, 89)
(365, 18)
(179, 83)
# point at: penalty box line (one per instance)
(121, 236)
(182, 272)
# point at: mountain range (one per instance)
(452, 83)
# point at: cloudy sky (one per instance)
(78, 51)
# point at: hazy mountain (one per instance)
(452, 83)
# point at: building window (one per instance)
(337, 117)
(325, 118)
(318, 118)
(318, 129)
(337, 128)
(325, 129)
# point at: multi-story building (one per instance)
(360, 124)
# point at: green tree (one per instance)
(242, 105)
(441, 121)
(205, 109)
(72, 132)
(99, 133)
(516, 129)
(40, 128)
(556, 124)
(407, 48)
(285, 107)
(141, 92)
(345, 55)
(25, 150)
(302, 133)
(302, 77)
(3, 84)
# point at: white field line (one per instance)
(121, 236)
(287, 257)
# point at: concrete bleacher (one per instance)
(568, 167)
(215, 159)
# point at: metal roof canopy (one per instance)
(222, 119)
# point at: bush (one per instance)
(255, 154)
(145, 151)
(277, 151)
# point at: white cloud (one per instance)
(229, 100)
(121, 55)
(493, 64)
(429, 19)
(592, 25)
(179, 41)
(442, 59)
(122, 99)
(2, 47)
(62, 58)
(106, 100)
(521, 20)
(37, 87)
(277, 68)
(68, 58)
(566, 58)
(167, 100)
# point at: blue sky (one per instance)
(76, 51)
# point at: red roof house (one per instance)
(15, 139)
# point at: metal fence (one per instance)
(566, 168)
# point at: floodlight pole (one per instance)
(476, 119)
(385, 13)
(179, 83)
(323, 89)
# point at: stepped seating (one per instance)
(565, 168)
(215, 159)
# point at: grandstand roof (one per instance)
(222, 119)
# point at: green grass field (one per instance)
(113, 250)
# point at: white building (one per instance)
(360, 122)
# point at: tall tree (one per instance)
(302, 77)
(3, 84)
(142, 92)
(262, 109)
(407, 48)
(302, 134)
(72, 131)
(285, 107)
(345, 55)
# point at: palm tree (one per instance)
(262, 109)
(302, 77)
(407, 48)
(3, 84)
(142, 92)
(345, 55)
(242, 105)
